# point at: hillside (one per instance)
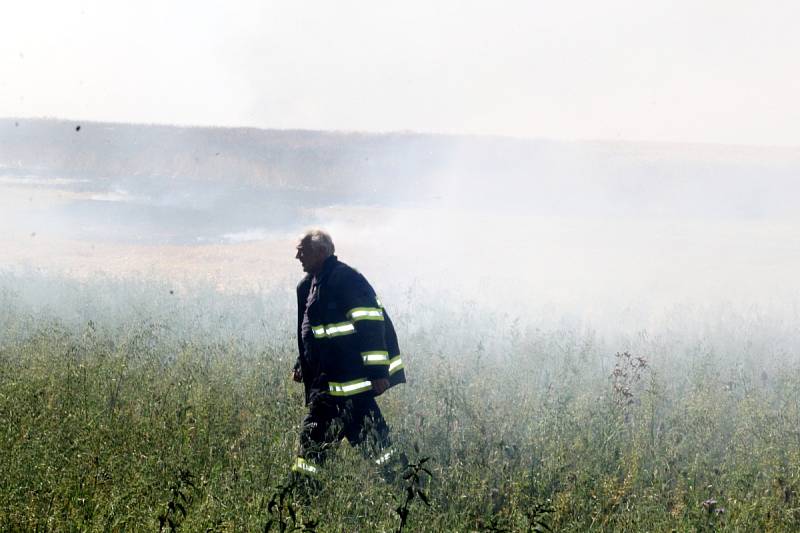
(407, 167)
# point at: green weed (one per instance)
(106, 410)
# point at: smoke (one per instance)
(616, 236)
(610, 235)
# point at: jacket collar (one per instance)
(327, 267)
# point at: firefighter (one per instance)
(348, 355)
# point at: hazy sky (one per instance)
(724, 71)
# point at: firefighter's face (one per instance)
(310, 258)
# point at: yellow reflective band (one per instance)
(351, 387)
(383, 458)
(375, 358)
(303, 466)
(395, 364)
(333, 330)
(365, 313)
(342, 328)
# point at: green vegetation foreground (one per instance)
(173, 413)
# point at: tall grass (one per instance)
(123, 406)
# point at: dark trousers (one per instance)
(330, 419)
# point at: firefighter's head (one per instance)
(313, 248)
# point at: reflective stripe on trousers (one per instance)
(304, 467)
(384, 457)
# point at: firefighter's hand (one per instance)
(379, 386)
(297, 375)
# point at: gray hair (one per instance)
(319, 240)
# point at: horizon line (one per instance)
(411, 132)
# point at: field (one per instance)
(598, 336)
(127, 405)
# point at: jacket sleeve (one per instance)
(363, 310)
(302, 294)
(397, 372)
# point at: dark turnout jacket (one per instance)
(351, 339)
